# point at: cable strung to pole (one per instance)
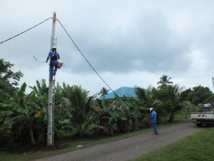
(39, 60)
(85, 57)
(26, 30)
(70, 39)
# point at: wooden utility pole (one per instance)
(50, 128)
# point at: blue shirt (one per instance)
(154, 116)
(54, 56)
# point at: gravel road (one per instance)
(129, 148)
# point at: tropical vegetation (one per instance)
(23, 116)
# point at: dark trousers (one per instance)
(155, 127)
(52, 71)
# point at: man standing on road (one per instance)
(154, 120)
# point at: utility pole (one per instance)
(50, 128)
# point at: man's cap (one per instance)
(151, 109)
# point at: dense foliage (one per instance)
(23, 117)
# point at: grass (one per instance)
(197, 147)
(73, 143)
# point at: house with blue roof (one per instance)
(121, 92)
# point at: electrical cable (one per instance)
(85, 57)
(70, 39)
(38, 60)
(25, 30)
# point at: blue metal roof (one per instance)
(121, 92)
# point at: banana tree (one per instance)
(24, 115)
(129, 114)
(108, 115)
(41, 93)
(19, 112)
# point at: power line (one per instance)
(25, 30)
(70, 39)
(85, 57)
(38, 60)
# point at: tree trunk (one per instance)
(42, 136)
(171, 118)
(32, 140)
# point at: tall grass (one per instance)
(197, 147)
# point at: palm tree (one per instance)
(144, 96)
(79, 114)
(103, 91)
(164, 82)
(173, 101)
(146, 100)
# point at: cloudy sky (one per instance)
(128, 42)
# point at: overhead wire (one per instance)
(25, 31)
(38, 60)
(85, 57)
(72, 42)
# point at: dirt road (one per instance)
(129, 148)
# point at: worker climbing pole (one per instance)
(53, 56)
(54, 64)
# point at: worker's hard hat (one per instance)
(54, 47)
(151, 109)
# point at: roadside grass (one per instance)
(72, 143)
(196, 147)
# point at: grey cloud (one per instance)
(143, 41)
(146, 45)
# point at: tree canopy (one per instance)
(8, 79)
(23, 117)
